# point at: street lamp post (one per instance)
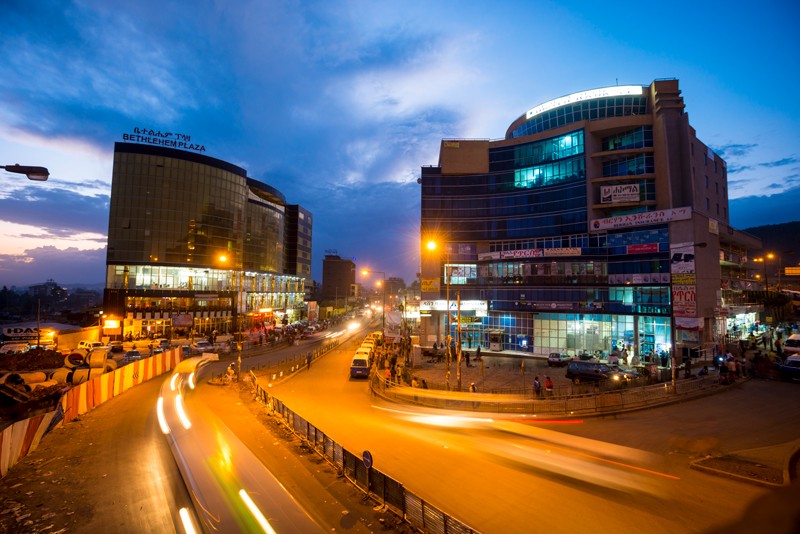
(238, 324)
(432, 245)
(39, 174)
(367, 272)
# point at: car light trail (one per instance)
(186, 520)
(182, 413)
(191, 380)
(172, 382)
(162, 421)
(256, 512)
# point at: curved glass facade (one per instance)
(588, 110)
(193, 236)
(173, 211)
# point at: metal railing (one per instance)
(391, 493)
(566, 400)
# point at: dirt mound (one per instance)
(34, 360)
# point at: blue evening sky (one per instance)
(339, 103)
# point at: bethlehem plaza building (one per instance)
(196, 246)
(600, 221)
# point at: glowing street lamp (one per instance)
(367, 272)
(432, 246)
(239, 341)
(39, 174)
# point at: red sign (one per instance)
(643, 248)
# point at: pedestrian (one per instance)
(387, 376)
(424, 384)
(473, 388)
(466, 355)
(537, 387)
(478, 353)
(308, 361)
(687, 368)
(548, 386)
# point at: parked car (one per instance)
(790, 369)
(202, 346)
(90, 345)
(133, 355)
(581, 371)
(557, 359)
(13, 348)
(792, 345)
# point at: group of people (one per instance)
(548, 387)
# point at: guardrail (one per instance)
(597, 402)
(404, 503)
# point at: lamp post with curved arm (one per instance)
(39, 174)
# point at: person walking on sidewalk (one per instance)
(308, 361)
(548, 386)
(537, 387)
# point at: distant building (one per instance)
(196, 245)
(600, 221)
(338, 281)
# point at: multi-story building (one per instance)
(339, 287)
(599, 221)
(194, 245)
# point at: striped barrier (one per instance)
(23, 437)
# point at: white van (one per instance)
(90, 345)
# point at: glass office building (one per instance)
(598, 222)
(194, 246)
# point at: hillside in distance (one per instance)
(780, 239)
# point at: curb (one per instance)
(767, 477)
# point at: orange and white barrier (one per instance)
(22, 437)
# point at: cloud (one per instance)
(780, 163)
(735, 150)
(36, 266)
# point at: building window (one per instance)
(708, 203)
(637, 138)
(629, 166)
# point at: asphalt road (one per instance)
(112, 470)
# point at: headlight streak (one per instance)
(173, 380)
(565, 450)
(186, 520)
(191, 380)
(182, 413)
(162, 421)
(256, 512)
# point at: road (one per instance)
(113, 472)
(505, 475)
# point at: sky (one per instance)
(338, 104)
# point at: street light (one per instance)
(238, 325)
(39, 174)
(432, 245)
(763, 261)
(367, 272)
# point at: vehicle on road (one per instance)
(162, 343)
(13, 348)
(115, 347)
(582, 371)
(359, 367)
(90, 345)
(792, 345)
(558, 359)
(133, 355)
(790, 369)
(199, 347)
